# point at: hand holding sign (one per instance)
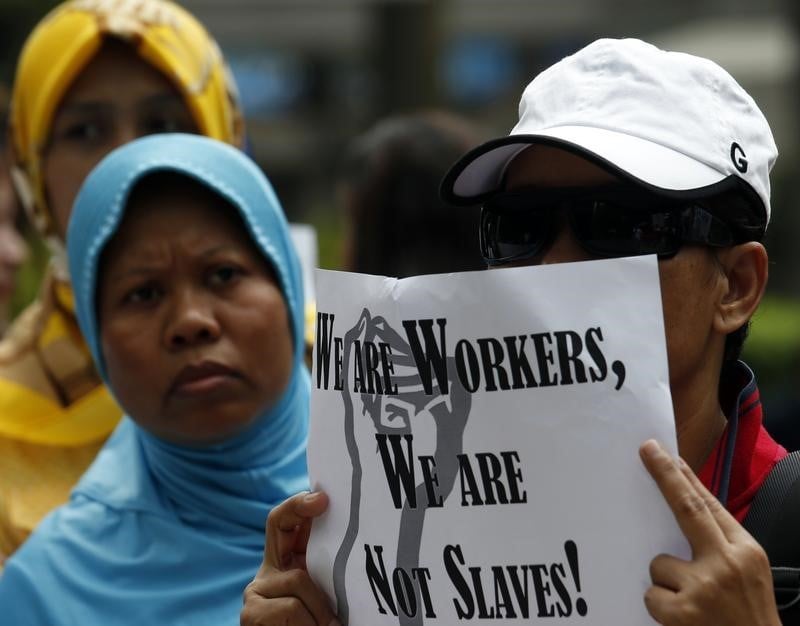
(728, 580)
(283, 592)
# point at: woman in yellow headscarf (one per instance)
(94, 74)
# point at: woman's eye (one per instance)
(164, 125)
(145, 294)
(84, 132)
(224, 275)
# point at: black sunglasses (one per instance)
(608, 222)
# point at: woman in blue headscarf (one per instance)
(188, 291)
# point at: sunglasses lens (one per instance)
(509, 235)
(608, 229)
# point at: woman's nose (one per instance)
(193, 322)
(125, 132)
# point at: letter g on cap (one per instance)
(738, 158)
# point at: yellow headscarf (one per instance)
(59, 48)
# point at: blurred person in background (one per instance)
(189, 292)
(396, 224)
(92, 75)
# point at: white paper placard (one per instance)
(478, 436)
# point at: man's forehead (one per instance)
(549, 166)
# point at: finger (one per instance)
(730, 527)
(289, 525)
(669, 572)
(689, 507)
(660, 603)
(299, 585)
(313, 505)
(258, 611)
(281, 535)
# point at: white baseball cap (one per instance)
(672, 122)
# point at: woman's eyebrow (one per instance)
(94, 105)
(116, 275)
(83, 107)
(135, 267)
(162, 98)
(223, 247)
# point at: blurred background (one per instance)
(315, 73)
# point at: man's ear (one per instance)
(745, 270)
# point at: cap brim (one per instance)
(480, 172)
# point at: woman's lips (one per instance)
(201, 378)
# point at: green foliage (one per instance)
(329, 227)
(30, 274)
(773, 348)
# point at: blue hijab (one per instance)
(157, 533)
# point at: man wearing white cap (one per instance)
(624, 149)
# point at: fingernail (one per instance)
(651, 448)
(310, 497)
(335, 622)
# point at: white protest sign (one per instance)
(478, 436)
